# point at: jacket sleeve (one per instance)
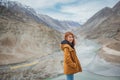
(67, 58)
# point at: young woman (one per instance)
(71, 62)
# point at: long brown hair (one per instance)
(69, 33)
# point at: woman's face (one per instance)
(70, 38)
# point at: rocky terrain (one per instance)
(104, 27)
(19, 38)
(24, 40)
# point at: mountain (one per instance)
(104, 27)
(116, 8)
(20, 31)
(18, 11)
(104, 23)
(61, 26)
(98, 18)
(29, 13)
(24, 38)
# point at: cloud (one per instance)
(42, 3)
(82, 12)
(76, 10)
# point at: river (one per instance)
(94, 68)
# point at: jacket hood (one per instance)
(67, 42)
(63, 46)
(64, 42)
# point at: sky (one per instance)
(75, 10)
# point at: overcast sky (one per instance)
(75, 10)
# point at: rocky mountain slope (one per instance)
(105, 24)
(24, 38)
(21, 34)
(104, 27)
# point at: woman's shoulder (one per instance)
(63, 46)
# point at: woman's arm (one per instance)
(67, 58)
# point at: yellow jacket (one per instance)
(71, 62)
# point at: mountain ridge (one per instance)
(23, 12)
(104, 27)
(61, 26)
